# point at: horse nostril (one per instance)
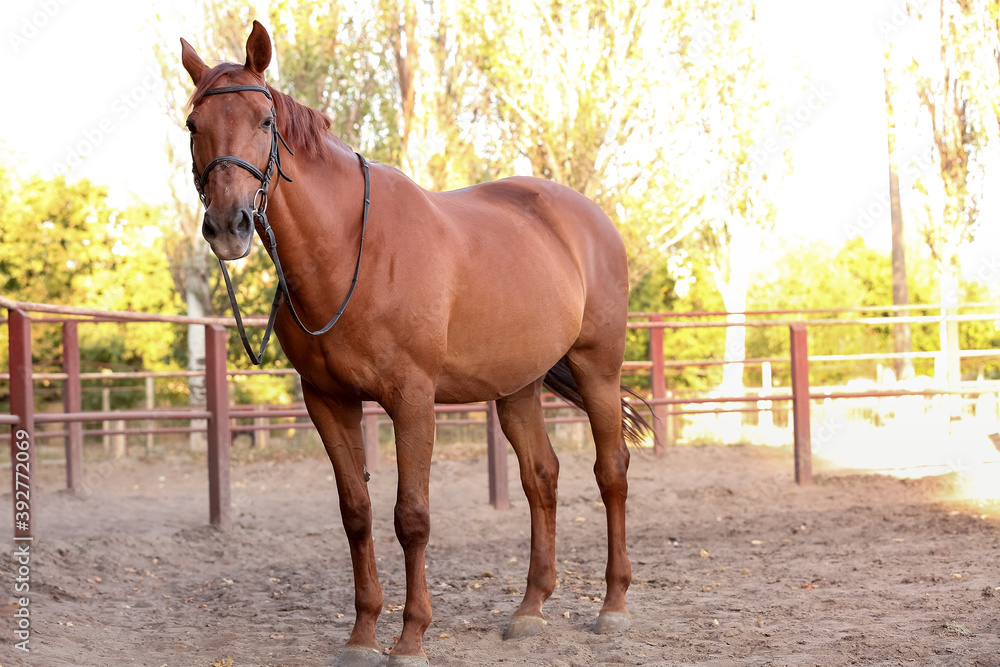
(244, 225)
(206, 229)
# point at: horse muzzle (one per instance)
(229, 235)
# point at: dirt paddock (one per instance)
(732, 564)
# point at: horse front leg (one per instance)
(339, 425)
(413, 422)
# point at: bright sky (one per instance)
(88, 103)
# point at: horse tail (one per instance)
(634, 426)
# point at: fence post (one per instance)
(672, 427)
(800, 404)
(22, 405)
(371, 438)
(72, 402)
(658, 382)
(150, 405)
(765, 418)
(219, 434)
(120, 439)
(496, 453)
(106, 425)
(262, 432)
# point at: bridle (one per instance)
(260, 215)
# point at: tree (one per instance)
(814, 275)
(576, 92)
(740, 161)
(957, 87)
(344, 64)
(902, 341)
(62, 243)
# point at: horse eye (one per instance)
(267, 123)
(190, 127)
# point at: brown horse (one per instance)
(480, 294)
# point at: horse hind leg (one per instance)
(598, 381)
(522, 421)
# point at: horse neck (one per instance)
(316, 220)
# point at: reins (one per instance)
(260, 215)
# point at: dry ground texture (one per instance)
(733, 565)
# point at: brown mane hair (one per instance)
(303, 128)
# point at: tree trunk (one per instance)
(742, 256)
(902, 340)
(736, 338)
(900, 293)
(404, 43)
(196, 293)
(949, 330)
(734, 296)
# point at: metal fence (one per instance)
(219, 414)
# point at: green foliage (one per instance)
(681, 287)
(49, 236)
(338, 62)
(950, 71)
(62, 243)
(800, 275)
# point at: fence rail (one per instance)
(219, 414)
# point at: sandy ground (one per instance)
(733, 564)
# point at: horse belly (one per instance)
(535, 258)
(504, 340)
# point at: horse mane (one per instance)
(304, 129)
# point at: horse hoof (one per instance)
(524, 626)
(407, 661)
(358, 656)
(611, 622)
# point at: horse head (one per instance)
(237, 129)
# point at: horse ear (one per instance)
(258, 49)
(192, 62)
